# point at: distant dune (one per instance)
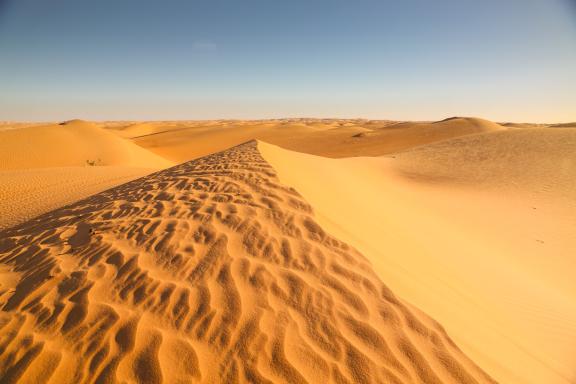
(565, 125)
(337, 251)
(76, 143)
(182, 141)
(140, 129)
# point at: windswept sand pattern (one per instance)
(210, 271)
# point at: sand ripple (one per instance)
(210, 271)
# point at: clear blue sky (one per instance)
(187, 59)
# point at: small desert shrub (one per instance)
(94, 163)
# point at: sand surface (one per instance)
(211, 271)
(477, 231)
(26, 193)
(43, 167)
(182, 141)
(306, 257)
(75, 143)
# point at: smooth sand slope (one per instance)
(211, 271)
(477, 231)
(75, 143)
(331, 138)
(45, 167)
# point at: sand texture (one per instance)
(288, 251)
(210, 271)
(43, 167)
(477, 231)
(26, 193)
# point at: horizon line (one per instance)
(11, 121)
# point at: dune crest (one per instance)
(183, 141)
(210, 271)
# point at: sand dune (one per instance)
(331, 138)
(9, 125)
(564, 125)
(218, 270)
(538, 125)
(211, 271)
(58, 166)
(43, 167)
(26, 193)
(136, 130)
(532, 160)
(76, 143)
(477, 231)
(405, 135)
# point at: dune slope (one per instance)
(184, 141)
(43, 167)
(477, 231)
(525, 160)
(76, 143)
(405, 135)
(26, 193)
(210, 271)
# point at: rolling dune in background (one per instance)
(74, 143)
(182, 141)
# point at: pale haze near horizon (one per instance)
(413, 60)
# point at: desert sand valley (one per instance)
(287, 251)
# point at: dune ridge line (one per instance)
(209, 271)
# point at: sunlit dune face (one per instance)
(187, 251)
(368, 191)
(216, 262)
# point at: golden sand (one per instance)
(320, 253)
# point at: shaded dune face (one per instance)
(210, 271)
